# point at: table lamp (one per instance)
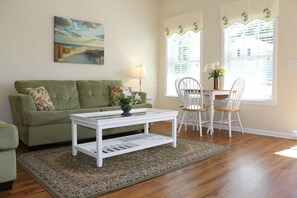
(139, 73)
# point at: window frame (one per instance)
(166, 65)
(273, 99)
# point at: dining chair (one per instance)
(232, 105)
(180, 111)
(187, 121)
(191, 95)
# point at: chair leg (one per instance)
(194, 121)
(208, 122)
(180, 113)
(222, 116)
(204, 116)
(229, 123)
(186, 121)
(182, 121)
(200, 125)
(238, 117)
(177, 119)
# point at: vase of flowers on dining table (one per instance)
(215, 71)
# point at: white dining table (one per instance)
(211, 94)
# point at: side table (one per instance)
(150, 100)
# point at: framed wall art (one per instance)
(78, 41)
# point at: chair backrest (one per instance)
(177, 89)
(235, 94)
(191, 93)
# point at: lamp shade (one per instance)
(140, 72)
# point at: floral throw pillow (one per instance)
(41, 99)
(113, 91)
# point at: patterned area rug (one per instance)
(64, 175)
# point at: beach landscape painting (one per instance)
(78, 41)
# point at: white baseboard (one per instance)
(277, 134)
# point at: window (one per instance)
(238, 52)
(249, 51)
(255, 64)
(183, 58)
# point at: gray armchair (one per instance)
(8, 143)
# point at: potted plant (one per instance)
(126, 99)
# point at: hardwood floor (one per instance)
(250, 169)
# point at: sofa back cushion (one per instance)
(63, 93)
(95, 93)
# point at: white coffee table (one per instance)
(101, 149)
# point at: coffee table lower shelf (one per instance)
(126, 144)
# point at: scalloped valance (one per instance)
(182, 23)
(246, 11)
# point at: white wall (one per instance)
(26, 42)
(274, 118)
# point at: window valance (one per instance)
(182, 23)
(246, 11)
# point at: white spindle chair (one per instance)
(180, 111)
(191, 94)
(232, 105)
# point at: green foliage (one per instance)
(126, 97)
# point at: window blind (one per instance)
(249, 53)
(183, 58)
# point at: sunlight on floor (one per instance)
(292, 152)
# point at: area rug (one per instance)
(64, 175)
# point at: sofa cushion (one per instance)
(63, 93)
(114, 90)
(38, 118)
(41, 99)
(95, 93)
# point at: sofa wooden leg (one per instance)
(6, 185)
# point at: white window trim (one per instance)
(273, 101)
(166, 72)
(166, 69)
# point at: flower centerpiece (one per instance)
(215, 71)
(126, 99)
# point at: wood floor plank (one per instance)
(250, 169)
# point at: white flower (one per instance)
(126, 96)
(214, 69)
(126, 92)
(137, 96)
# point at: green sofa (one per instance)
(9, 141)
(69, 97)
